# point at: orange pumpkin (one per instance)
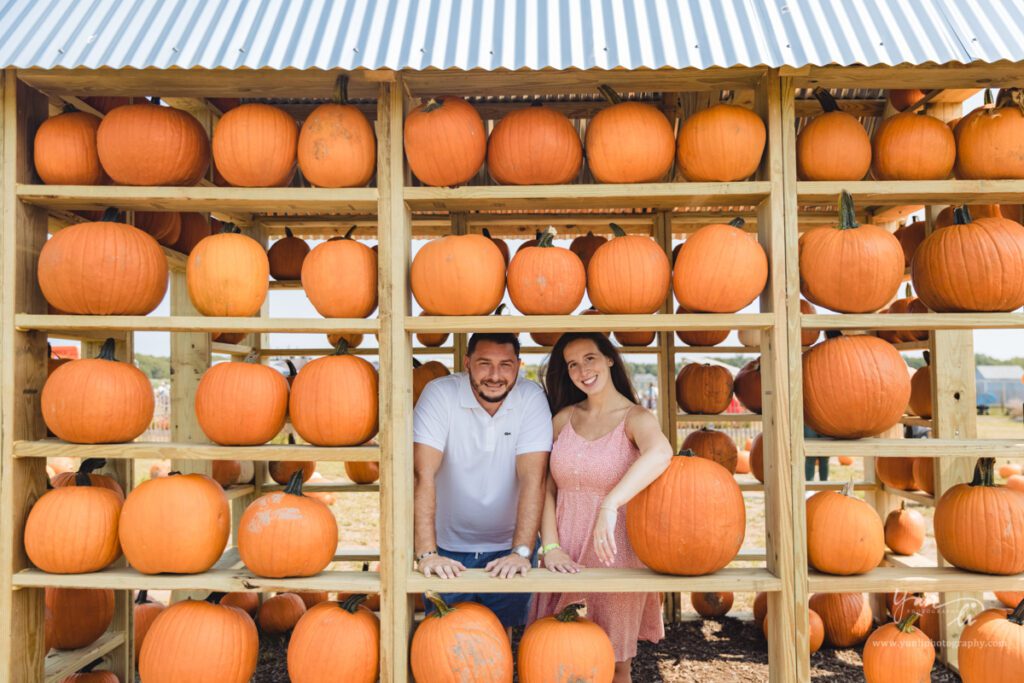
(924, 475)
(340, 278)
(1015, 482)
(847, 617)
(280, 613)
(815, 629)
(714, 445)
(241, 404)
(703, 389)
(912, 146)
(254, 145)
(629, 142)
(897, 473)
(947, 216)
(79, 616)
(335, 641)
(64, 150)
(73, 530)
(635, 338)
(565, 647)
(89, 467)
(281, 471)
(760, 609)
(106, 104)
(747, 385)
(534, 146)
(245, 601)
(362, 472)
(163, 226)
(458, 275)
(200, 642)
(459, 642)
(225, 472)
(285, 534)
(700, 337)
(904, 530)
(850, 268)
(628, 274)
(743, 462)
(544, 338)
(584, 246)
(423, 374)
(720, 269)
(445, 141)
(77, 275)
(991, 647)
(921, 392)
(845, 536)
(1009, 598)
(194, 227)
(227, 274)
(722, 143)
(545, 279)
(501, 244)
(833, 145)
(97, 400)
(901, 99)
(990, 141)
(88, 675)
(980, 526)
(854, 386)
(145, 612)
(337, 146)
(711, 605)
(147, 144)
(898, 652)
(1009, 469)
(972, 265)
(334, 400)
(908, 304)
(191, 537)
(352, 339)
(690, 521)
(286, 256)
(910, 237)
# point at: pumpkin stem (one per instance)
(847, 213)
(828, 103)
(686, 453)
(908, 293)
(547, 238)
(848, 488)
(90, 465)
(107, 350)
(832, 334)
(341, 349)
(142, 598)
(229, 228)
(291, 439)
(617, 230)
(352, 602)
(49, 351)
(154, 100)
(570, 614)
(288, 232)
(609, 93)
(439, 604)
(294, 486)
(927, 358)
(348, 235)
(984, 472)
(500, 310)
(82, 479)
(737, 222)
(961, 215)
(907, 625)
(536, 103)
(174, 473)
(366, 566)
(291, 368)
(487, 233)
(110, 215)
(433, 104)
(341, 90)
(1017, 615)
(988, 97)
(416, 363)
(90, 666)
(215, 598)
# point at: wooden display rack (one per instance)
(395, 211)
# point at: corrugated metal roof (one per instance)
(504, 34)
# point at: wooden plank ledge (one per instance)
(721, 418)
(60, 664)
(914, 579)
(589, 323)
(888, 193)
(920, 497)
(919, 321)
(328, 487)
(58, 324)
(600, 581)
(126, 578)
(50, 448)
(927, 448)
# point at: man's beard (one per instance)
(478, 389)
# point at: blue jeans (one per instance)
(510, 608)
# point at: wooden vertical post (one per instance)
(396, 491)
(23, 372)
(782, 420)
(459, 339)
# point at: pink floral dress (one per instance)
(585, 472)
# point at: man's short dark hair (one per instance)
(495, 337)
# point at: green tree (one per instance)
(154, 367)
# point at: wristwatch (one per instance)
(522, 551)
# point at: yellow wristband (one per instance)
(549, 547)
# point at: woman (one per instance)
(607, 449)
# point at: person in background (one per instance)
(809, 463)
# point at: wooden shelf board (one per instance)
(921, 497)
(912, 561)
(544, 350)
(88, 335)
(746, 418)
(889, 193)
(622, 196)
(599, 323)
(60, 664)
(916, 321)
(228, 580)
(600, 581)
(57, 324)
(903, 448)
(329, 487)
(50, 448)
(911, 346)
(913, 579)
(230, 349)
(738, 350)
(915, 421)
(815, 486)
(357, 554)
(315, 351)
(286, 284)
(239, 491)
(361, 200)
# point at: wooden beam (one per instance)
(921, 448)
(189, 323)
(919, 321)
(558, 323)
(720, 418)
(196, 450)
(1002, 74)
(886, 193)
(229, 580)
(914, 580)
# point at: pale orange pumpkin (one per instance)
(465, 641)
(445, 141)
(629, 142)
(227, 274)
(722, 143)
(628, 274)
(546, 280)
(990, 141)
(362, 472)
(991, 647)
(335, 641)
(163, 226)
(904, 530)
(241, 404)
(77, 272)
(720, 269)
(145, 612)
(898, 652)
(850, 268)
(336, 145)
(147, 144)
(847, 617)
(334, 400)
(534, 146)
(833, 145)
(458, 275)
(64, 150)
(254, 145)
(911, 146)
(845, 535)
(714, 445)
(566, 647)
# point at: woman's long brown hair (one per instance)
(559, 386)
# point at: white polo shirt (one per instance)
(477, 487)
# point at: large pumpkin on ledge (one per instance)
(334, 400)
(340, 277)
(534, 146)
(241, 404)
(628, 274)
(458, 275)
(648, 155)
(254, 145)
(445, 141)
(65, 150)
(721, 144)
(336, 145)
(720, 269)
(228, 274)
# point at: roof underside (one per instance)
(504, 34)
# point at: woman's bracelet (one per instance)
(549, 547)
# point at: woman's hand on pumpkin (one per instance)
(557, 560)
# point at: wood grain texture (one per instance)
(188, 323)
(51, 448)
(214, 580)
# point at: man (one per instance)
(481, 448)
